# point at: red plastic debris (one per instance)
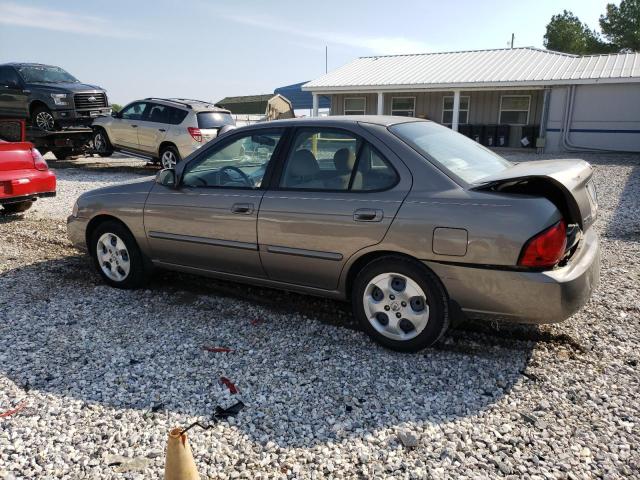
(229, 384)
(20, 406)
(217, 349)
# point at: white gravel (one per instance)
(322, 401)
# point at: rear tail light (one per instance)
(39, 162)
(195, 133)
(546, 248)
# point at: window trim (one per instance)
(468, 109)
(500, 110)
(229, 139)
(413, 110)
(344, 106)
(284, 157)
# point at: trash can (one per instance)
(476, 132)
(502, 136)
(465, 130)
(489, 135)
(528, 136)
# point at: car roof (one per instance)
(339, 120)
(188, 104)
(27, 64)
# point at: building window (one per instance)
(447, 110)
(355, 106)
(514, 109)
(403, 106)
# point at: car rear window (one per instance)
(214, 119)
(454, 152)
(176, 115)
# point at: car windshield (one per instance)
(45, 74)
(214, 119)
(456, 153)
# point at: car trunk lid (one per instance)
(567, 183)
(16, 156)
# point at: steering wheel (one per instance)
(243, 175)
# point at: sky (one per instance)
(213, 49)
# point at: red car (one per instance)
(24, 174)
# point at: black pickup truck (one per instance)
(49, 96)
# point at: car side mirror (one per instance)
(167, 177)
(115, 114)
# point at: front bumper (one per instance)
(80, 117)
(76, 231)
(525, 297)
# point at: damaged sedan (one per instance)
(406, 219)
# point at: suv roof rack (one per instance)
(170, 100)
(195, 100)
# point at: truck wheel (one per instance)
(17, 207)
(62, 153)
(169, 157)
(43, 119)
(101, 143)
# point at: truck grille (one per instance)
(90, 101)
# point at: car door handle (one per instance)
(368, 215)
(245, 208)
(134, 126)
(161, 130)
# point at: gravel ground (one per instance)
(102, 373)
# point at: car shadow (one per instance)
(296, 360)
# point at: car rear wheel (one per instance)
(117, 257)
(101, 143)
(169, 157)
(400, 304)
(42, 118)
(17, 207)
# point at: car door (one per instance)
(14, 100)
(153, 127)
(209, 221)
(123, 131)
(338, 192)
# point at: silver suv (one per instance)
(163, 130)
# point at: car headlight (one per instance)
(74, 212)
(60, 98)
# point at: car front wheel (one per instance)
(101, 144)
(117, 257)
(400, 304)
(42, 118)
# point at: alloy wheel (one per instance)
(45, 121)
(99, 143)
(168, 159)
(113, 257)
(396, 306)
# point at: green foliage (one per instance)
(566, 33)
(116, 107)
(621, 25)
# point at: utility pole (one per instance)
(513, 36)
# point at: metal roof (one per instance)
(300, 99)
(511, 67)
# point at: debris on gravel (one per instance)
(106, 373)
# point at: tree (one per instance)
(116, 107)
(566, 33)
(621, 25)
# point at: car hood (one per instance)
(64, 87)
(140, 185)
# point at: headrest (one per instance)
(303, 164)
(344, 160)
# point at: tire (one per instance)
(18, 207)
(102, 241)
(62, 153)
(101, 143)
(42, 119)
(169, 157)
(410, 293)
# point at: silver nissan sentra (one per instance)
(405, 218)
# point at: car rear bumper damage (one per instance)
(525, 297)
(20, 185)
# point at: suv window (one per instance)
(238, 163)
(176, 115)
(133, 111)
(335, 160)
(214, 119)
(157, 113)
(8, 77)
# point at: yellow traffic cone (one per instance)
(179, 464)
